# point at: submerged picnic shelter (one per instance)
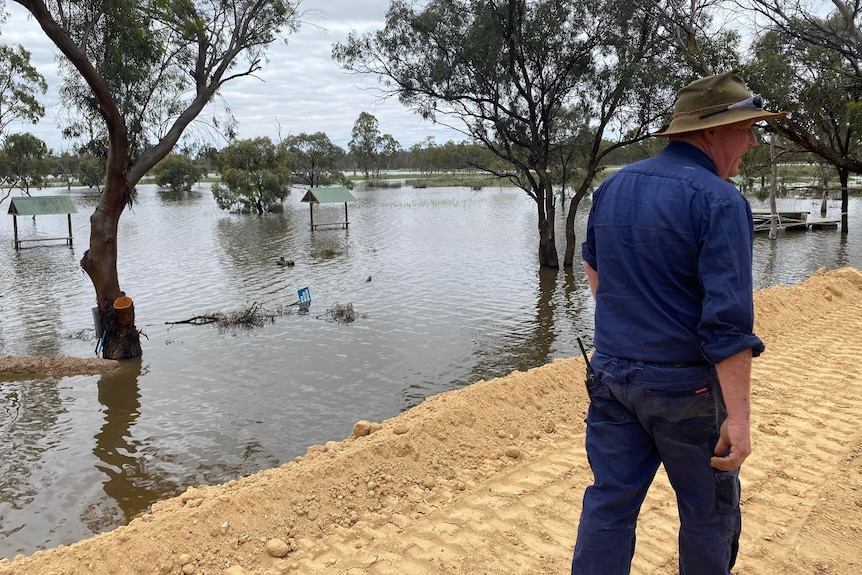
(328, 195)
(41, 206)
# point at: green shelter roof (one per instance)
(328, 195)
(41, 206)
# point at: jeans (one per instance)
(642, 415)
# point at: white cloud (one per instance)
(301, 89)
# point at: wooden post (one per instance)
(311, 211)
(15, 226)
(346, 223)
(69, 216)
(773, 180)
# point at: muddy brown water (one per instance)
(445, 290)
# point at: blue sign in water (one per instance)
(304, 299)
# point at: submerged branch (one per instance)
(253, 316)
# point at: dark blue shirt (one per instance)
(672, 244)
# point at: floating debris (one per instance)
(252, 317)
(342, 313)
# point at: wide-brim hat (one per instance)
(715, 101)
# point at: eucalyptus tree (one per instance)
(177, 172)
(421, 154)
(138, 73)
(91, 171)
(811, 66)
(23, 162)
(507, 71)
(387, 153)
(569, 147)
(20, 86)
(696, 31)
(368, 146)
(645, 52)
(312, 159)
(65, 167)
(502, 69)
(254, 177)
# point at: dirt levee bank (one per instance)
(56, 366)
(489, 479)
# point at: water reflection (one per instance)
(842, 255)
(28, 407)
(171, 197)
(579, 306)
(129, 482)
(543, 331)
(768, 273)
(33, 424)
(40, 324)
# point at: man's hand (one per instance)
(734, 445)
(734, 438)
(592, 278)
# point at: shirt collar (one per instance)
(689, 152)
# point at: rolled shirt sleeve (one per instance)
(727, 320)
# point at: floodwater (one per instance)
(443, 283)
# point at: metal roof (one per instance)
(41, 206)
(328, 195)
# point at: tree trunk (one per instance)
(580, 194)
(569, 255)
(121, 338)
(545, 201)
(547, 245)
(844, 177)
(773, 183)
(824, 174)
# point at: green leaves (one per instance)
(368, 146)
(312, 159)
(177, 172)
(23, 161)
(254, 179)
(20, 84)
(161, 61)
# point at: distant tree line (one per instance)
(255, 174)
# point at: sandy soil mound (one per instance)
(489, 479)
(55, 366)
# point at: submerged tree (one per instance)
(254, 178)
(23, 162)
(177, 172)
(811, 66)
(647, 51)
(91, 171)
(368, 146)
(514, 73)
(139, 73)
(65, 167)
(503, 69)
(313, 159)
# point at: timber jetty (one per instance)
(791, 220)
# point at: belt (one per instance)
(699, 363)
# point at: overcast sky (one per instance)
(300, 90)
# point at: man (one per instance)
(668, 257)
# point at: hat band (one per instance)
(755, 102)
